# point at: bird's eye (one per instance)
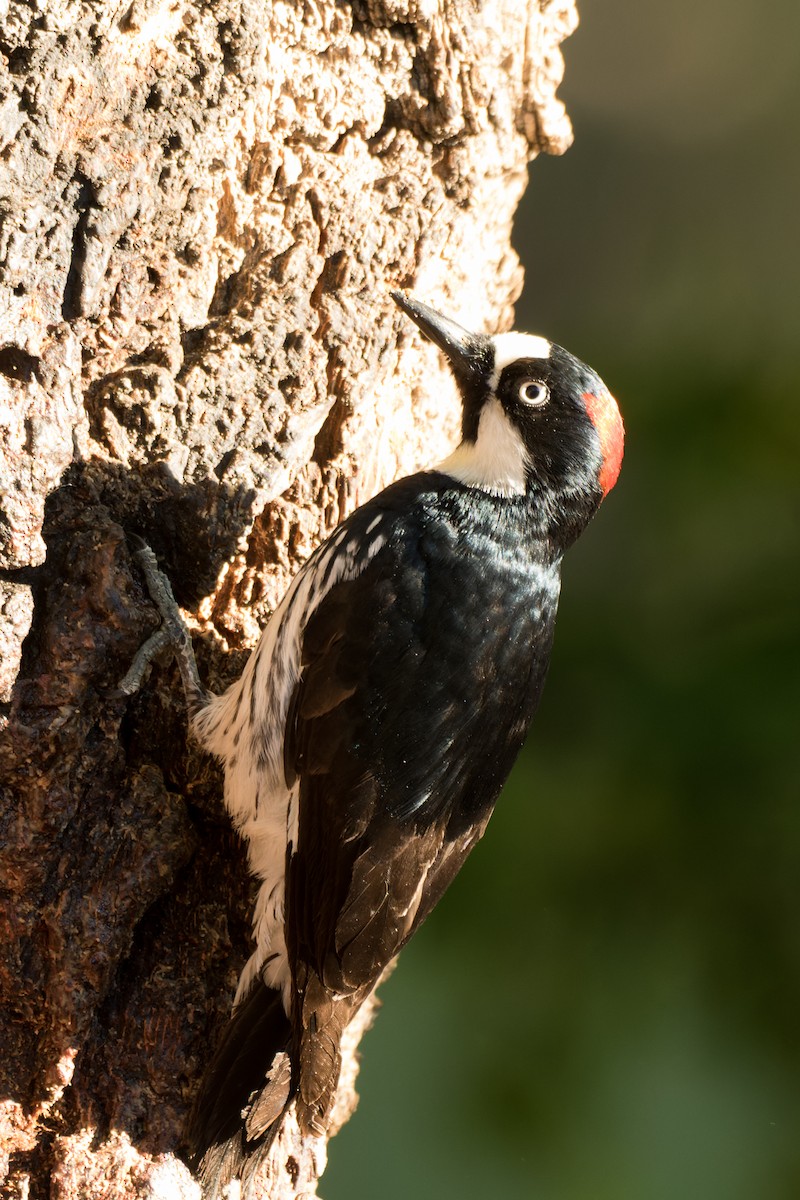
(533, 393)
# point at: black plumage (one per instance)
(401, 746)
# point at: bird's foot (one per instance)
(172, 634)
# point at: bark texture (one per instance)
(203, 204)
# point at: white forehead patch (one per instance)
(496, 460)
(508, 347)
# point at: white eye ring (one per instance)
(533, 393)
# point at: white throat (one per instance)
(496, 461)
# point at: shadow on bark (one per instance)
(125, 898)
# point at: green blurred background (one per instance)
(606, 1006)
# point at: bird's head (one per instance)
(536, 421)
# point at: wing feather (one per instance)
(400, 753)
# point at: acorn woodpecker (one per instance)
(376, 721)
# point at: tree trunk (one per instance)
(204, 205)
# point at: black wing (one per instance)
(412, 704)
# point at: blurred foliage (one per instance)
(606, 1003)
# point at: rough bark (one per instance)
(202, 208)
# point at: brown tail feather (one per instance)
(245, 1092)
(319, 1057)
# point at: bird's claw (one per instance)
(172, 633)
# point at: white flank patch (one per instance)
(496, 461)
(246, 726)
(508, 347)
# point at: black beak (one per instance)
(470, 354)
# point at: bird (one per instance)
(368, 738)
